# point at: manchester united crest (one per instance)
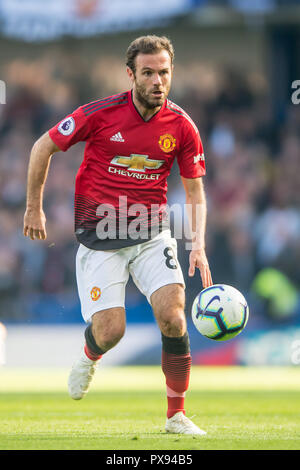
(167, 143)
(95, 293)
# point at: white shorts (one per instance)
(102, 275)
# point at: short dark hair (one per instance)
(150, 44)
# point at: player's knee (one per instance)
(168, 305)
(108, 327)
(107, 338)
(109, 342)
(173, 325)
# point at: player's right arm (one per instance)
(40, 157)
(72, 129)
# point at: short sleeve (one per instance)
(191, 160)
(72, 129)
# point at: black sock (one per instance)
(91, 343)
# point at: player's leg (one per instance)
(157, 273)
(168, 307)
(101, 281)
(104, 331)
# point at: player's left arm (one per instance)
(197, 213)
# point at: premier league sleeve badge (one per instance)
(67, 126)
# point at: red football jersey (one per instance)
(127, 160)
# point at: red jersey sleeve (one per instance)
(72, 129)
(191, 159)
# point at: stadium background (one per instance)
(234, 68)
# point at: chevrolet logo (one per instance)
(137, 162)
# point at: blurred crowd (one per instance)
(252, 181)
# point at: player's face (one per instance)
(152, 78)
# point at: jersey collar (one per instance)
(137, 114)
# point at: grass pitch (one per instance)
(240, 408)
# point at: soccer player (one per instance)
(132, 140)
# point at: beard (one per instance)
(146, 99)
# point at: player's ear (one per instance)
(130, 74)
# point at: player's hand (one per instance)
(35, 224)
(198, 260)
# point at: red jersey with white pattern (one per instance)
(121, 185)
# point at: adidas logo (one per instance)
(117, 137)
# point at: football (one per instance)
(220, 312)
